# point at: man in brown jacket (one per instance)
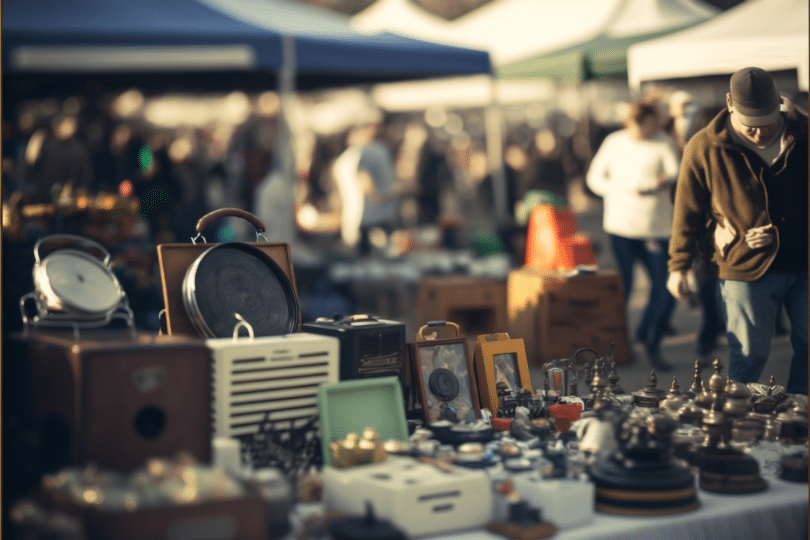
(742, 200)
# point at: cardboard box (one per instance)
(477, 305)
(556, 315)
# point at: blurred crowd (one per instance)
(382, 186)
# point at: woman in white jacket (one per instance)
(633, 171)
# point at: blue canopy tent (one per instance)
(55, 48)
(208, 44)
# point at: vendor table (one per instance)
(779, 513)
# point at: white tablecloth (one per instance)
(778, 513)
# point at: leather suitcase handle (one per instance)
(207, 219)
(420, 336)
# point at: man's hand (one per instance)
(759, 237)
(679, 286)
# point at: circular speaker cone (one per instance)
(150, 422)
(443, 384)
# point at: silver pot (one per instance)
(73, 281)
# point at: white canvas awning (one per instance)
(771, 34)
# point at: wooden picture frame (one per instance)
(443, 375)
(499, 358)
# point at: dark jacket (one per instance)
(725, 189)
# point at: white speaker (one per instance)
(269, 379)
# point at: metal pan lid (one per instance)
(80, 282)
(238, 278)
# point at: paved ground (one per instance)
(680, 350)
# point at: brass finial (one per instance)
(716, 381)
(614, 379)
(675, 389)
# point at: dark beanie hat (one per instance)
(755, 97)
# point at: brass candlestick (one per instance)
(723, 468)
(650, 396)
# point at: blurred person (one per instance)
(683, 112)
(684, 121)
(318, 202)
(633, 171)
(369, 187)
(382, 190)
(435, 175)
(274, 205)
(350, 193)
(61, 166)
(742, 202)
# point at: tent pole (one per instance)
(286, 155)
(494, 141)
(279, 213)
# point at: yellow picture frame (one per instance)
(498, 357)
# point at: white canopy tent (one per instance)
(771, 34)
(403, 17)
(514, 31)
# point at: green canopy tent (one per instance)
(600, 57)
(601, 53)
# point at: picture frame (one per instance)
(499, 358)
(443, 376)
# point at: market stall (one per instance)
(225, 424)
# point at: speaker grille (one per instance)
(273, 379)
(380, 344)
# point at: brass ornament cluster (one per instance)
(358, 450)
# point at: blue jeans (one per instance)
(712, 325)
(653, 254)
(750, 311)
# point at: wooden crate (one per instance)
(243, 518)
(113, 399)
(556, 315)
(477, 305)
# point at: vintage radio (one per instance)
(112, 398)
(369, 347)
(269, 380)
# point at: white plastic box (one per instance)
(416, 497)
(566, 503)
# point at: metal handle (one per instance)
(575, 356)
(242, 324)
(207, 219)
(72, 239)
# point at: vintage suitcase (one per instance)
(113, 399)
